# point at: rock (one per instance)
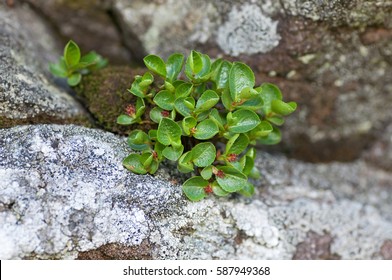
(332, 57)
(64, 194)
(380, 153)
(27, 94)
(87, 22)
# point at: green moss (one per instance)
(105, 95)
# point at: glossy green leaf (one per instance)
(227, 100)
(173, 153)
(220, 73)
(173, 66)
(146, 159)
(206, 130)
(152, 134)
(247, 164)
(140, 107)
(146, 80)
(193, 188)
(155, 64)
(125, 120)
(262, 130)
(231, 180)
(276, 120)
(183, 90)
(156, 114)
(240, 77)
(194, 62)
(133, 163)
(216, 117)
(185, 164)
(188, 123)
(136, 89)
(165, 100)
(217, 190)
(237, 144)
(206, 173)
(169, 132)
(71, 54)
(74, 79)
(138, 140)
(207, 100)
(158, 148)
(248, 190)
(203, 154)
(254, 104)
(272, 138)
(184, 106)
(282, 108)
(242, 121)
(197, 67)
(269, 92)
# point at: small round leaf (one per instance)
(203, 154)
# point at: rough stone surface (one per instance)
(65, 194)
(380, 153)
(26, 93)
(87, 22)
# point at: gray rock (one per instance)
(27, 94)
(64, 194)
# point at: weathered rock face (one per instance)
(332, 57)
(87, 22)
(64, 194)
(26, 94)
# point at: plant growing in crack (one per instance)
(207, 121)
(72, 65)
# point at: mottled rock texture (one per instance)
(27, 92)
(64, 194)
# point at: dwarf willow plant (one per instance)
(206, 122)
(72, 65)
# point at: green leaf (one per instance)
(188, 123)
(240, 77)
(248, 190)
(272, 138)
(158, 148)
(138, 140)
(194, 62)
(74, 79)
(206, 173)
(155, 64)
(216, 117)
(242, 121)
(146, 159)
(262, 130)
(282, 108)
(125, 120)
(185, 164)
(165, 100)
(193, 188)
(247, 164)
(173, 153)
(237, 144)
(183, 90)
(220, 73)
(227, 100)
(156, 114)
(71, 54)
(206, 130)
(203, 154)
(140, 107)
(152, 134)
(275, 120)
(269, 92)
(254, 104)
(169, 132)
(58, 69)
(133, 163)
(184, 106)
(207, 100)
(217, 190)
(231, 180)
(173, 66)
(146, 80)
(136, 89)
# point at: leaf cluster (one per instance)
(72, 65)
(207, 122)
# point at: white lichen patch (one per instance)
(248, 31)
